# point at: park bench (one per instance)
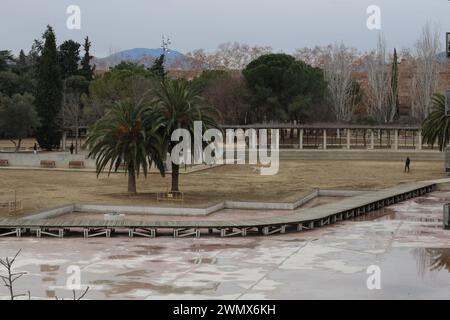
(76, 164)
(122, 167)
(11, 206)
(48, 164)
(4, 163)
(170, 196)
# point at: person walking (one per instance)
(71, 148)
(35, 148)
(407, 163)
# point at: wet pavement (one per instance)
(405, 241)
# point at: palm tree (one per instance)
(436, 127)
(126, 136)
(432, 259)
(179, 106)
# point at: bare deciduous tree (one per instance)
(236, 56)
(196, 60)
(230, 56)
(11, 276)
(379, 89)
(227, 95)
(73, 116)
(338, 66)
(74, 295)
(315, 57)
(424, 82)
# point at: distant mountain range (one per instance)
(175, 59)
(143, 56)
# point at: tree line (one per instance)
(370, 99)
(53, 88)
(35, 88)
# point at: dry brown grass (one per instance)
(27, 144)
(43, 189)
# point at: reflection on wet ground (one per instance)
(406, 241)
(429, 259)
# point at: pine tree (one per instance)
(22, 63)
(86, 69)
(69, 58)
(49, 93)
(394, 85)
(33, 57)
(158, 67)
(5, 59)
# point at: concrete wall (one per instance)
(33, 160)
(51, 213)
(146, 209)
(379, 155)
(62, 158)
(341, 193)
(258, 205)
(180, 211)
(305, 199)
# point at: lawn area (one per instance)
(43, 189)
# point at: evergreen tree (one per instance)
(22, 63)
(158, 67)
(49, 93)
(34, 55)
(394, 85)
(69, 58)
(86, 69)
(18, 118)
(5, 59)
(25, 69)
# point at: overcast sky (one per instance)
(285, 25)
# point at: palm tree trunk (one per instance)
(175, 177)
(18, 145)
(131, 179)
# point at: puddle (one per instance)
(49, 268)
(122, 257)
(205, 247)
(147, 250)
(203, 261)
(48, 279)
(121, 288)
(134, 273)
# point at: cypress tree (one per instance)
(158, 67)
(22, 63)
(49, 93)
(86, 69)
(394, 85)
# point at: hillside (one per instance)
(143, 56)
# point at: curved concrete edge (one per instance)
(184, 211)
(51, 213)
(342, 193)
(141, 209)
(308, 219)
